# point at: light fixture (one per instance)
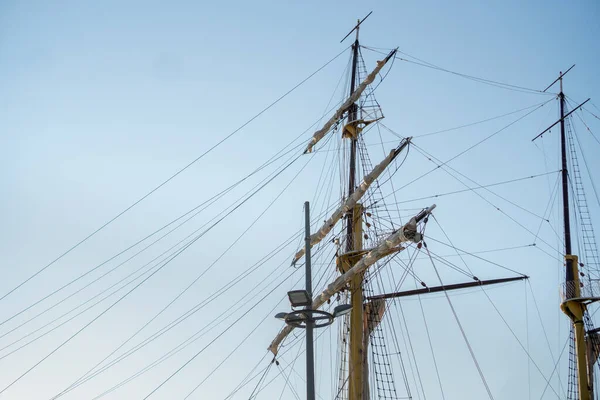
(300, 318)
(299, 298)
(281, 315)
(342, 309)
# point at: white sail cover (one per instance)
(353, 199)
(407, 233)
(318, 135)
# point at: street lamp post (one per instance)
(310, 348)
(307, 318)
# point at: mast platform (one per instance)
(588, 293)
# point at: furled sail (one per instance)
(318, 135)
(353, 199)
(407, 233)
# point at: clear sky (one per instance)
(102, 101)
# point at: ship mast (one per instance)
(352, 117)
(575, 299)
(354, 260)
(573, 307)
(356, 371)
(565, 185)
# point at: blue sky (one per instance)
(101, 102)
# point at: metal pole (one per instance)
(352, 117)
(310, 356)
(565, 189)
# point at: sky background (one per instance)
(103, 101)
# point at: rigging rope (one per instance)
(188, 314)
(470, 77)
(554, 360)
(196, 211)
(445, 168)
(554, 370)
(432, 159)
(135, 349)
(412, 350)
(257, 387)
(172, 176)
(205, 347)
(588, 128)
(128, 282)
(495, 308)
(462, 331)
(243, 301)
(92, 321)
(471, 189)
(469, 148)
(202, 234)
(437, 371)
(247, 378)
(215, 369)
(585, 160)
(287, 381)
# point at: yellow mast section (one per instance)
(574, 306)
(357, 353)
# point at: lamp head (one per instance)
(281, 315)
(299, 298)
(342, 309)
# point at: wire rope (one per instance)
(470, 77)
(171, 177)
(498, 312)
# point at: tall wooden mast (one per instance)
(356, 378)
(574, 306)
(565, 185)
(575, 298)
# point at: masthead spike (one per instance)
(356, 27)
(559, 78)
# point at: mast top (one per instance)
(360, 21)
(560, 75)
(561, 81)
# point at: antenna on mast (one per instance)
(356, 27)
